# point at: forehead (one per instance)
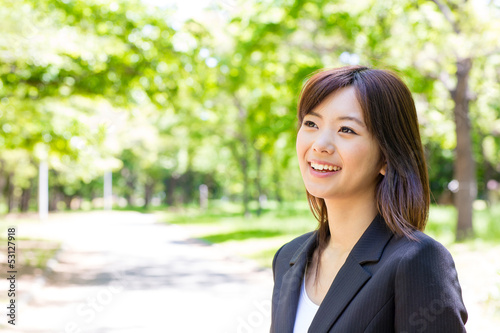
(342, 103)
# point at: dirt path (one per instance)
(122, 272)
(478, 268)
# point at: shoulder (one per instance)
(423, 252)
(427, 287)
(423, 258)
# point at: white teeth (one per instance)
(321, 167)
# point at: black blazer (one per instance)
(387, 284)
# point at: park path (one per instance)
(124, 272)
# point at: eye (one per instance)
(345, 129)
(309, 123)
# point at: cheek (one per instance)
(372, 161)
(363, 157)
(300, 144)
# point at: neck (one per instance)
(348, 220)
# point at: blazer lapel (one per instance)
(290, 287)
(352, 276)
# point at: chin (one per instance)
(318, 194)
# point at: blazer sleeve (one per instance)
(428, 297)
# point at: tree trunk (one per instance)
(129, 196)
(10, 193)
(148, 193)
(188, 186)
(54, 197)
(243, 158)
(3, 179)
(67, 200)
(169, 191)
(465, 170)
(24, 204)
(257, 182)
(246, 194)
(277, 184)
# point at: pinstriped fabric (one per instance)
(286, 296)
(387, 284)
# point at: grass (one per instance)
(241, 235)
(31, 254)
(36, 254)
(225, 224)
(442, 224)
(264, 257)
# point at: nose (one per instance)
(324, 143)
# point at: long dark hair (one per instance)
(403, 194)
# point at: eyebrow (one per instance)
(356, 120)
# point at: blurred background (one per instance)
(185, 112)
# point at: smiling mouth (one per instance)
(324, 168)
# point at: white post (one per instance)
(203, 196)
(108, 190)
(43, 191)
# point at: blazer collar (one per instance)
(352, 276)
(372, 243)
(369, 247)
(349, 280)
(306, 249)
(290, 287)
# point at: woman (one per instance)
(368, 267)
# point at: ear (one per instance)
(383, 169)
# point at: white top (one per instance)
(306, 310)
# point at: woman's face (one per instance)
(338, 157)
